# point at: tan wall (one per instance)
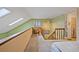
(18, 43)
(46, 25)
(78, 25)
(33, 45)
(71, 24)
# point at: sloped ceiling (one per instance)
(13, 16)
(28, 13)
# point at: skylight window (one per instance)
(18, 20)
(4, 12)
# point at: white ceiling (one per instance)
(47, 12)
(29, 12)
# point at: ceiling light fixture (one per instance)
(18, 20)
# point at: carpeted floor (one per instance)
(44, 45)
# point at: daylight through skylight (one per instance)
(4, 12)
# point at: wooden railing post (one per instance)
(58, 34)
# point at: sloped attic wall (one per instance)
(15, 14)
(25, 26)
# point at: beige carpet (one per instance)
(44, 45)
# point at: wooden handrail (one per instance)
(58, 34)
